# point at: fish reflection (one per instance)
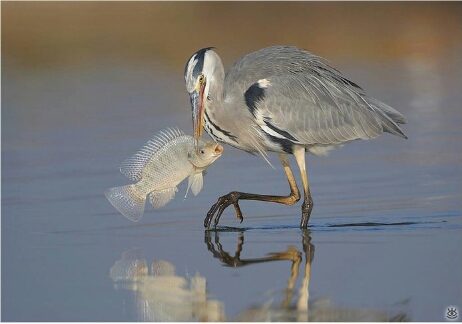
(163, 296)
(296, 309)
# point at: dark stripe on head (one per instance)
(252, 96)
(199, 56)
(280, 131)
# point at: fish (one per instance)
(159, 167)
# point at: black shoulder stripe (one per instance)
(280, 131)
(253, 95)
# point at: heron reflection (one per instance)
(295, 306)
(287, 311)
(162, 295)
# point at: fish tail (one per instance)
(126, 200)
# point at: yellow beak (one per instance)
(197, 106)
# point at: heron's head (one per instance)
(199, 74)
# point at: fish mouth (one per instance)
(218, 150)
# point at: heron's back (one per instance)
(310, 102)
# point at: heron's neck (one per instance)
(215, 92)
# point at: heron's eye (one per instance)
(201, 79)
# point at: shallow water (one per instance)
(384, 241)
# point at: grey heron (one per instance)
(285, 100)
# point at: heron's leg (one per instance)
(294, 195)
(233, 197)
(307, 206)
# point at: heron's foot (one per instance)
(223, 202)
(307, 207)
(290, 253)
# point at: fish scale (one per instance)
(166, 168)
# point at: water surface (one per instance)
(384, 241)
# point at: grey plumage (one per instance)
(283, 99)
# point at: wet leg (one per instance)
(307, 206)
(233, 197)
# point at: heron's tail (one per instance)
(390, 117)
(127, 202)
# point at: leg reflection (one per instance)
(287, 310)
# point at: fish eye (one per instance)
(202, 151)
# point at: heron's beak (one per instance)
(197, 106)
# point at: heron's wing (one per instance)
(299, 96)
(276, 61)
(309, 114)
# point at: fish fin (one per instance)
(160, 198)
(162, 268)
(126, 201)
(195, 182)
(133, 166)
(130, 267)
